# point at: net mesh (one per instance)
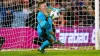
(74, 27)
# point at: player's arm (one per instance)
(41, 20)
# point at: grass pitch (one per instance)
(52, 53)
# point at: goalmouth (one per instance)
(76, 29)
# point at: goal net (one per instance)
(75, 27)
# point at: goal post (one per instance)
(97, 26)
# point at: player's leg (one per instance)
(41, 36)
(38, 40)
(51, 39)
(45, 44)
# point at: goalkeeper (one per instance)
(44, 27)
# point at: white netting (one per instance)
(74, 28)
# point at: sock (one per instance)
(44, 45)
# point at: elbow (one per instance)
(43, 24)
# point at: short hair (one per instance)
(39, 3)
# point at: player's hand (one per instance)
(49, 10)
(52, 33)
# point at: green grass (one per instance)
(52, 53)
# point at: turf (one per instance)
(52, 53)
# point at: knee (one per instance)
(51, 40)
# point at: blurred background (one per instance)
(22, 13)
(74, 27)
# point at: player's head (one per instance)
(42, 5)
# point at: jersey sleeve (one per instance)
(41, 20)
